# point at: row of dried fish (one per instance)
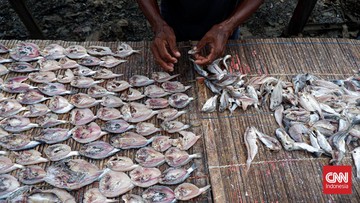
(26, 52)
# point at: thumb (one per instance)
(173, 48)
(200, 45)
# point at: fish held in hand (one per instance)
(87, 133)
(145, 177)
(59, 105)
(179, 100)
(187, 191)
(148, 157)
(82, 100)
(173, 176)
(162, 76)
(159, 194)
(174, 126)
(121, 163)
(129, 140)
(81, 116)
(32, 174)
(140, 81)
(117, 126)
(175, 157)
(97, 150)
(115, 183)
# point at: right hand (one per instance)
(164, 47)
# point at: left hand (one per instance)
(216, 38)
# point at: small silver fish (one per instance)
(356, 156)
(179, 100)
(136, 112)
(250, 139)
(82, 100)
(66, 78)
(169, 114)
(140, 81)
(162, 76)
(87, 133)
(10, 107)
(174, 126)
(145, 177)
(173, 176)
(146, 129)
(210, 104)
(276, 97)
(53, 51)
(187, 191)
(148, 157)
(99, 50)
(175, 157)
(114, 184)
(199, 69)
(75, 52)
(110, 61)
(297, 131)
(323, 142)
(125, 50)
(81, 116)
(278, 114)
(3, 70)
(105, 74)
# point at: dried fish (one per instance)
(31, 97)
(93, 195)
(297, 131)
(169, 114)
(148, 157)
(53, 51)
(25, 52)
(125, 50)
(49, 120)
(199, 69)
(174, 126)
(49, 65)
(75, 52)
(173, 176)
(131, 95)
(99, 50)
(105, 74)
(276, 96)
(156, 103)
(97, 150)
(145, 177)
(72, 174)
(6, 165)
(131, 198)
(210, 104)
(268, 141)
(121, 163)
(29, 157)
(135, 112)
(53, 89)
(155, 91)
(140, 81)
(9, 184)
(10, 107)
(112, 101)
(3, 70)
(82, 100)
(67, 63)
(3, 49)
(84, 82)
(115, 183)
(250, 139)
(175, 157)
(162, 143)
(146, 129)
(90, 61)
(16, 85)
(22, 67)
(355, 154)
(81, 116)
(59, 105)
(30, 175)
(52, 195)
(129, 140)
(174, 87)
(117, 126)
(323, 142)
(17, 124)
(36, 110)
(42, 77)
(278, 114)
(17, 142)
(87, 133)
(159, 194)
(179, 100)
(110, 62)
(187, 140)
(5, 60)
(83, 71)
(187, 191)
(53, 135)
(117, 85)
(66, 78)
(162, 76)
(57, 152)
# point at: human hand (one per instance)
(216, 38)
(164, 47)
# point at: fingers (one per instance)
(173, 48)
(167, 66)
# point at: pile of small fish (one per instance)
(44, 92)
(313, 114)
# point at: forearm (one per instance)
(151, 10)
(242, 12)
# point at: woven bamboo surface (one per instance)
(274, 176)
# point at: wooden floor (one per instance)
(274, 176)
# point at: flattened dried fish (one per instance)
(174, 87)
(49, 65)
(145, 177)
(49, 120)
(162, 76)
(6, 165)
(180, 100)
(81, 116)
(117, 85)
(97, 150)
(99, 50)
(57, 152)
(117, 126)
(9, 184)
(112, 101)
(87, 133)
(31, 97)
(93, 195)
(110, 61)
(173, 176)
(53, 135)
(25, 52)
(53, 89)
(83, 71)
(75, 52)
(356, 156)
(59, 104)
(30, 175)
(169, 114)
(155, 91)
(175, 157)
(66, 78)
(10, 107)
(17, 142)
(268, 141)
(210, 104)
(146, 129)
(125, 50)
(187, 140)
(156, 103)
(161, 143)
(42, 77)
(22, 67)
(115, 183)
(140, 81)
(82, 100)
(29, 157)
(136, 112)
(84, 82)
(276, 97)
(250, 139)
(187, 191)
(121, 163)
(105, 74)
(17, 124)
(129, 140)
(53, 51)
(98, 92)
(148, 157)
(131, 95)
(174, 126)
(90, 61)
(36, 110)
(159, 194)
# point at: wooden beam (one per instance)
(27, 19)
(300, 16)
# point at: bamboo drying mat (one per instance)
(142, 64)
(273, 176)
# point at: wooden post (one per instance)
(27, 19)
(300, 16)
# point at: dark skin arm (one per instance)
(164, 44)
(216, 38)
